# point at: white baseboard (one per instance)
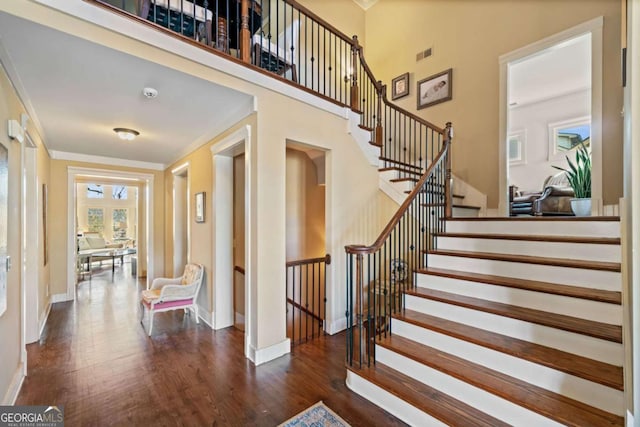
(629, 420)
(206, 316)
(264, 355)
(14, 387)
(43, 319)
(60, 298)
(335, 326)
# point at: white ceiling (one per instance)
(559, 70)
(80, 91)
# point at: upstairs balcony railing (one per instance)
(292, 44)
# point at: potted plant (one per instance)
(579, 177)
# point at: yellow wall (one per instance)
(305, 208)
(469, 36)
(344, 15)
(11, 320)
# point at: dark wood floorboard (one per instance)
(95, 358)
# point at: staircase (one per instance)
(512, 322)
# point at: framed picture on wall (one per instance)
(400, 86)
(200, 206)
(435, 89)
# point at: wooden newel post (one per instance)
(382, 89)
(355, 97)
(448, 182)
(245, 33)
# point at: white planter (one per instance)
(581, 207)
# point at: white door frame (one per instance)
(31, 211)
(593, 27)
(181, 215)
(75, 172)
(221, 205)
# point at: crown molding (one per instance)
(365, 4)
(103, 160)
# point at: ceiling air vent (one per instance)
(424, 54)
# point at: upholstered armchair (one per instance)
(173, 294)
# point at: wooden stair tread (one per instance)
(436, 205)
(539, 218)
(428, 399)
(400, 169)
(375, 144)
(536, 238)
(528, 259)
(552, 405)
(590, 328)
(600, 295)
(408, 165)
(589, 369)
(367, 128)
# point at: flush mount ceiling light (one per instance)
(126, 134)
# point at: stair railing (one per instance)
(306, 290)
(377, 275)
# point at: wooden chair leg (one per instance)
(150, 321)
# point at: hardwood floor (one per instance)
(95, 358)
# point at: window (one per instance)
(95, 191)
(119, 224)
(568, 135)
(517, 148)
(119, 192)
(95, 220)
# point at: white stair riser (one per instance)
(390, 403)
(596, 279)
(460, 212)
(538, 228)
(473, 396)
(594, 394)
(575, 307)
(594, 348)
(581, 251)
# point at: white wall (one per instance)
(534, 119)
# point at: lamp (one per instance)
(126, 134)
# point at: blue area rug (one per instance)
(316, 416)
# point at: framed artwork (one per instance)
(567, 135)
(200, 207)
(400, 86)
(435, 89)
(516, 145)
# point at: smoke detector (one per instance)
(149, 92)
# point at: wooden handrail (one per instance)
(326, 259)
(304, 309)
(361, 249)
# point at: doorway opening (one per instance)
(230, 214)
(550, 106)
(306, 254)
(238, 241)
(120, 224)
(106, 228)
